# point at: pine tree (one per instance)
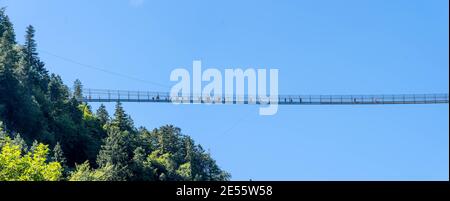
(20, 142)
(11, 100)
(34, 145)
(30, 46)
(41, 108)
(33, 68)
(78, 90)
(121, 119)
(58, 155)
(169, 139)
(114, 152)
(8, 58)
(3, 135)
(102, 115)
(141, 170)
(6, 28)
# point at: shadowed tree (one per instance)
(102, 115)
(114, 152)
(78, 90)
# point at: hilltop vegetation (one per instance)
(48, 134)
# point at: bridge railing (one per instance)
(102, 95)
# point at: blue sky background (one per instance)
(320, 47)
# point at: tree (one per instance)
(121, 119)
(164, 165)
(30, 46)
(58, 155)
(18, 140)
(114, 152)
(31, 55)
(185, 171)
(4, 137)
(58, 92)
(34, 145)
(78, 90)
(6, 28)
(176, 157)
(9, 85)
(31, 166)
(84, 172)
(210, 170)
(169, 139)
(102, 115)
(31, 69)
(86, 111)
(17, 109)
(141, 170)
(40, 107)
(147, 139)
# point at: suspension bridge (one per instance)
(109, 95)
(105, 95)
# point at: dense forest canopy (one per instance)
(47, 133)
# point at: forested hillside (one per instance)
(46, 133)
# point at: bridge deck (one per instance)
(96, 95)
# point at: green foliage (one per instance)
(141, 170)
(185, 171)
(39, 105)
(122, 120)
(58, 155)
(15, 102)
(163, 163)
(18, 140)
(102, 115)
(84, 172)
(32, 68)
(31, 166)
(174, 156)
(86, 111)
(78, 90)
(115, 152)
(41, 108)
(4, 138)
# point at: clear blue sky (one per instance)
(320, 47)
